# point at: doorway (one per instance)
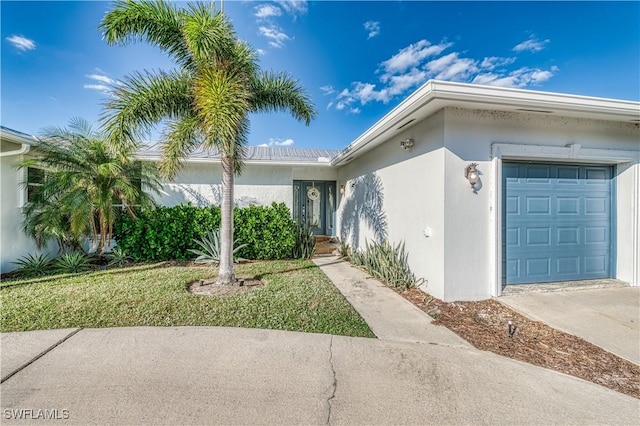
(314, 205)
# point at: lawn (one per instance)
(296, 296)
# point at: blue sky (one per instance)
(357, 59)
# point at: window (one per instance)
(35, 182)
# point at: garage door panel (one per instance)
(556, 222)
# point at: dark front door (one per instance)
(314, 205)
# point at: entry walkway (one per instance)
(389, 315)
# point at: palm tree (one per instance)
(205, 102)
(83, 188)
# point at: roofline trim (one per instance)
(450, 92)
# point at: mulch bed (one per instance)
(485, 325)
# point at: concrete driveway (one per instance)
(607, 317)
(210, 375)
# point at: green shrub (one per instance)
(30, 266)
(74, 262)
(167, 233)
(268, 231)
(305, 245)
(209, 251)
(387, 263)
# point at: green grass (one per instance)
(296, 296)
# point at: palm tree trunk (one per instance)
(226, 274)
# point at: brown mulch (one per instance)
(210, 287)
(485, 324)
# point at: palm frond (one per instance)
(157, 22)
(143, 100)
(181, 137)
(279, 92)
(222, 101)
(208, 35)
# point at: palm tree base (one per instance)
(226, 279)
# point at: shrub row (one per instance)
(167, 233)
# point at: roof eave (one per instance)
(255, 162)
(441, 94)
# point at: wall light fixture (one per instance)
(407, 143)
(472, 174)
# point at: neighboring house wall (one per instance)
(14, 243)
(425, 189)
(263, 184)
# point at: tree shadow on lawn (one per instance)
(51, 278)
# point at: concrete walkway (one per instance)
(389, 315)
(608, 317)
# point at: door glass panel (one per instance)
(296, 202)
(313, 206)
(331, 202)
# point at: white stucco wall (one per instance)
(411, 184)
(14, 244)
(426, 188)
(473, 220)
(263, 184)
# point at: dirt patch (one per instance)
(485, 325)
(211, 287)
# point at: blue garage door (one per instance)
(557, 222)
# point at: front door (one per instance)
(314, 205)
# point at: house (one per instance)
(14, 146)
(557, 196)
(486, 186)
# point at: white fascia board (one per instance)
(23, 140)
(435, 95)
(254, 162)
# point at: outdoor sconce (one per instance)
(472, 174)
(407, 143)
(341, 189)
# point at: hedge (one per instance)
(166, 233)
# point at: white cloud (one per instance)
(265, 11)
(521, 77)
(451, 67)
(278, 142)
(400, 83)
(412, 56)
(531, 45)
(294, 7)
(373, 27)
(327, 90)
(492, 62)
(261, 52)
(21, 43)
(275, 35)
(419, 62)
(104, 82)
(101, 78)
(100, 87)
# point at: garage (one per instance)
(557, 222)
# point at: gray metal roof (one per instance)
(260, 153)
(22, 137)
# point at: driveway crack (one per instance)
(40, 355)
(334, 385)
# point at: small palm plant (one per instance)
(30, 266)
(73, 263)
(209, 252)
(118, 257)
